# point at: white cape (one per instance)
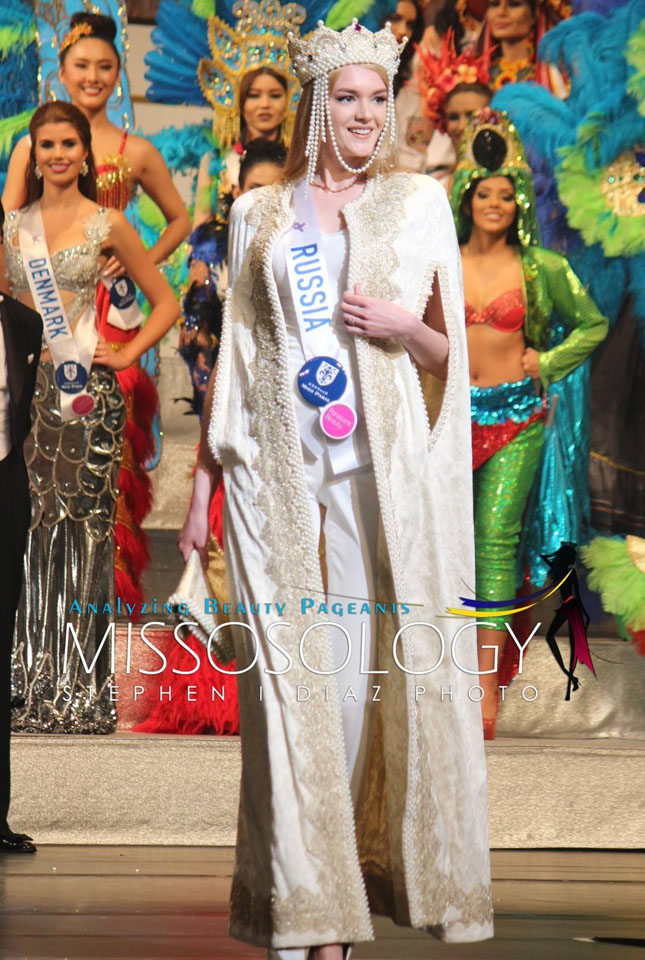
(306, 871)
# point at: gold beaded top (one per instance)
(113, 179)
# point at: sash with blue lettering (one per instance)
(314, 306)
(308, 278)
(71, 352)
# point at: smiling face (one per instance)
(59, 153)
(264, 108)
(358, 109)
(90, 73)
(459, 109)
(510, 19)
(493, 206)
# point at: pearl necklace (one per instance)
(322, 186)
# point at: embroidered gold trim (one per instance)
(340, 902)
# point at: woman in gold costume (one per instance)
(90, 69)
(61, 681)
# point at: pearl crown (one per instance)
(325, 50)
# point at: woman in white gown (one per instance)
(359, 792)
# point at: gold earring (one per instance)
(38, 171)
(84, 168)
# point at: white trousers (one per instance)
(349, 525)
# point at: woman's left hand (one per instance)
(370, 317)
(531, 363)
(107, 356)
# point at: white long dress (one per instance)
(309, 866)
(340, 479)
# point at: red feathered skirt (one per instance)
(135, 488)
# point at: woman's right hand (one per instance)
(107, 356)
(195, 533)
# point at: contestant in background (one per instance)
(406, 23)
(512, 33)
(414, 132)
(236, 62)
(395, 492)
(260, 111)
(90, 72)
(512, 286)
(422, 146)
(20, 337)
(591, 205)
(73, 457)
(248, 104)
(453, 87)
(261, 165)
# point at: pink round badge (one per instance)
(83, 404)
(338, 420)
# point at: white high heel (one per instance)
(306, 954)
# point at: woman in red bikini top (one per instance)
(494, 205)
(507, 413)
(494, 290)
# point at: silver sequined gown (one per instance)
(73, 474)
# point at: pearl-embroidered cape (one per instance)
(306, 871)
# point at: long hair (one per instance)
(296, 165)
(405, 63)
(102, 27)
(448, 18)
(496, 51)
(60, 112)
(512, 237)
(246, 83)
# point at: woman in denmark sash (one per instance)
(56, 247)
(90, 75)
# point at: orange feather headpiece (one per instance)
(438, 76)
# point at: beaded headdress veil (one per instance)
(491, 147)
(314, 57)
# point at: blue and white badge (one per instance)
(71, 377)
(322, 380)
(123, 293)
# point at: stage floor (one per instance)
(149, 902)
